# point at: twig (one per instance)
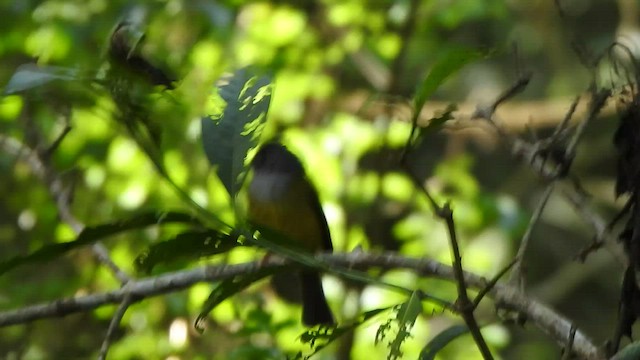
(557, 133)
(516, 275)
(529, 153)
(491, 284)
(113, 325)
(597, 103)
(60, 193)
(464, 304)
(603, 235)
(488, 112)
(509, 297)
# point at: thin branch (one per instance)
(564, 124)
(60, 194)
(465, 306)
(113, 326)
(488, 112)
(506, 296)
(598, 101)
(529, 153)
(603, 235)
(516, 275)
(491, 284)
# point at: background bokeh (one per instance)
(344, 72)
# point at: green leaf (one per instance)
(449, 63)
(92, 234)
(407, 315)
(319, 338)
(228, 288)
(630, 352)
(187, 245)
(227, 139)
(29, 76)
(441, 340)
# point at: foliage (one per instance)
(140, 149)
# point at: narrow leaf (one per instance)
(188, 245)
(441, 340)
(228, 288)
(29, 76)
(92, 234)
(228, 138)
(451, 62)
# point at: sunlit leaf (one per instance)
(94, 233)
(29, 76)
(319, 338)
(228, 138)
(441, 340)
(187, 245)
(407, 315)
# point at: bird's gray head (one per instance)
(274, 170)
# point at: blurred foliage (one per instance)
(320, 53)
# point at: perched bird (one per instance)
(282, 198)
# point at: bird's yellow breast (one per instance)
(293, 214)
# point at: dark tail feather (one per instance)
(315, 310)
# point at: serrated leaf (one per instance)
(29, 76)
(228, 138)
(630, 352)
(188, 245)
(319, 338)
(449, 63)
(441, 340)
(228, 288)
(407, 315)
(94, 233)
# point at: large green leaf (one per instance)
(94, 233)
(441, 340)
(187, 245)
(29, 76)
(228, 138)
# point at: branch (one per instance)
(516, 275)
(113, 325)
(465, 306)
(506, 296)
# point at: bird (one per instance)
(282, 198)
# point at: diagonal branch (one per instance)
(60, 193)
